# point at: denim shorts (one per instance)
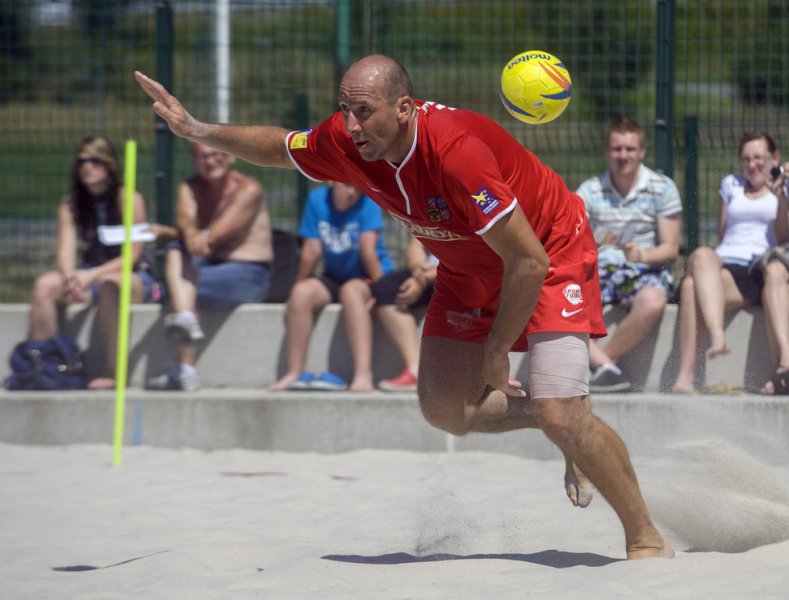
(226, 284)
(151, 291)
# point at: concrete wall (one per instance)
(341, 422)
(245, 348)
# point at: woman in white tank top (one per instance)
(754, 216)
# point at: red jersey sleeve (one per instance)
(472, 177)
(318, 153)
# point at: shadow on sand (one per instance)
(550, 558)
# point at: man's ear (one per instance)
(405, 104)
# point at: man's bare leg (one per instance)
(454, 398)
(602, 456)
(485, 410)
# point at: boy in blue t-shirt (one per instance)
(345, 228)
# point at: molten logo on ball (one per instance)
(535, 87)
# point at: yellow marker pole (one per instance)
(121, 364)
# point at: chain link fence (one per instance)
(694, 73)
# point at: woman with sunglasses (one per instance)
(96, 199)
(754, 217)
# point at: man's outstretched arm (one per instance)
(258, 144)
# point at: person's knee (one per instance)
(701, 257)
(443, 416)
(354, 292)
(650, 303)
(109, 287)
(687, 287)
(302, 297)
(47, 286)
(563, 420)
(775, 273)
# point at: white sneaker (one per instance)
(183, 327)
(177, 379)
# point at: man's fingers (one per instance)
(156, 91)
(517, 392)
(516, 389)
(147, 84)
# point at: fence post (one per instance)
(343, 57)
(664, 100)
(165, 40)
(691, 192)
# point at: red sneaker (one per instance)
(404, 382)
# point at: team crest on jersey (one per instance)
(298, 141)
(572, 291)
(437, 209)
(485, 200)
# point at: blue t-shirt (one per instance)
(339, 233)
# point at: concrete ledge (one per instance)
(245, 348)
(341, 422)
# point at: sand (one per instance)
(187, 524)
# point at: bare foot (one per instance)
(101, 383)
(361, 383)
(664, 551)
(680, 387)
(767, 389)
(282, 383)
(718, 345)
(580, 490)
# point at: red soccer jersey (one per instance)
(463, 173)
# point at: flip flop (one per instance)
(781, 383)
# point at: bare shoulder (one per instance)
(247, 184)
(65, 207)
(248, 189)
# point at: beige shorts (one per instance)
(558, 365)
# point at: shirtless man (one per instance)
(222, 259)
(517, 263)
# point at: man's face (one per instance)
(210, 163)
(372, 122)
(624, 153)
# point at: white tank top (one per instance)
(749, 222)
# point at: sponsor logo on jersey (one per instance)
(298, 141)
(433, 233)
(485, 200)
(437, 209)
(572, 291)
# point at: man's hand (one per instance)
(777, 185)
(496, 372)
(168, 107)
(197, 244)
(633, 252)
(410, 291)
(77, 285)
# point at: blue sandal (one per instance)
(329, 382)
(302, 382)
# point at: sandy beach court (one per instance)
(376, 524)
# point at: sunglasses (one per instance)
(90, 160)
